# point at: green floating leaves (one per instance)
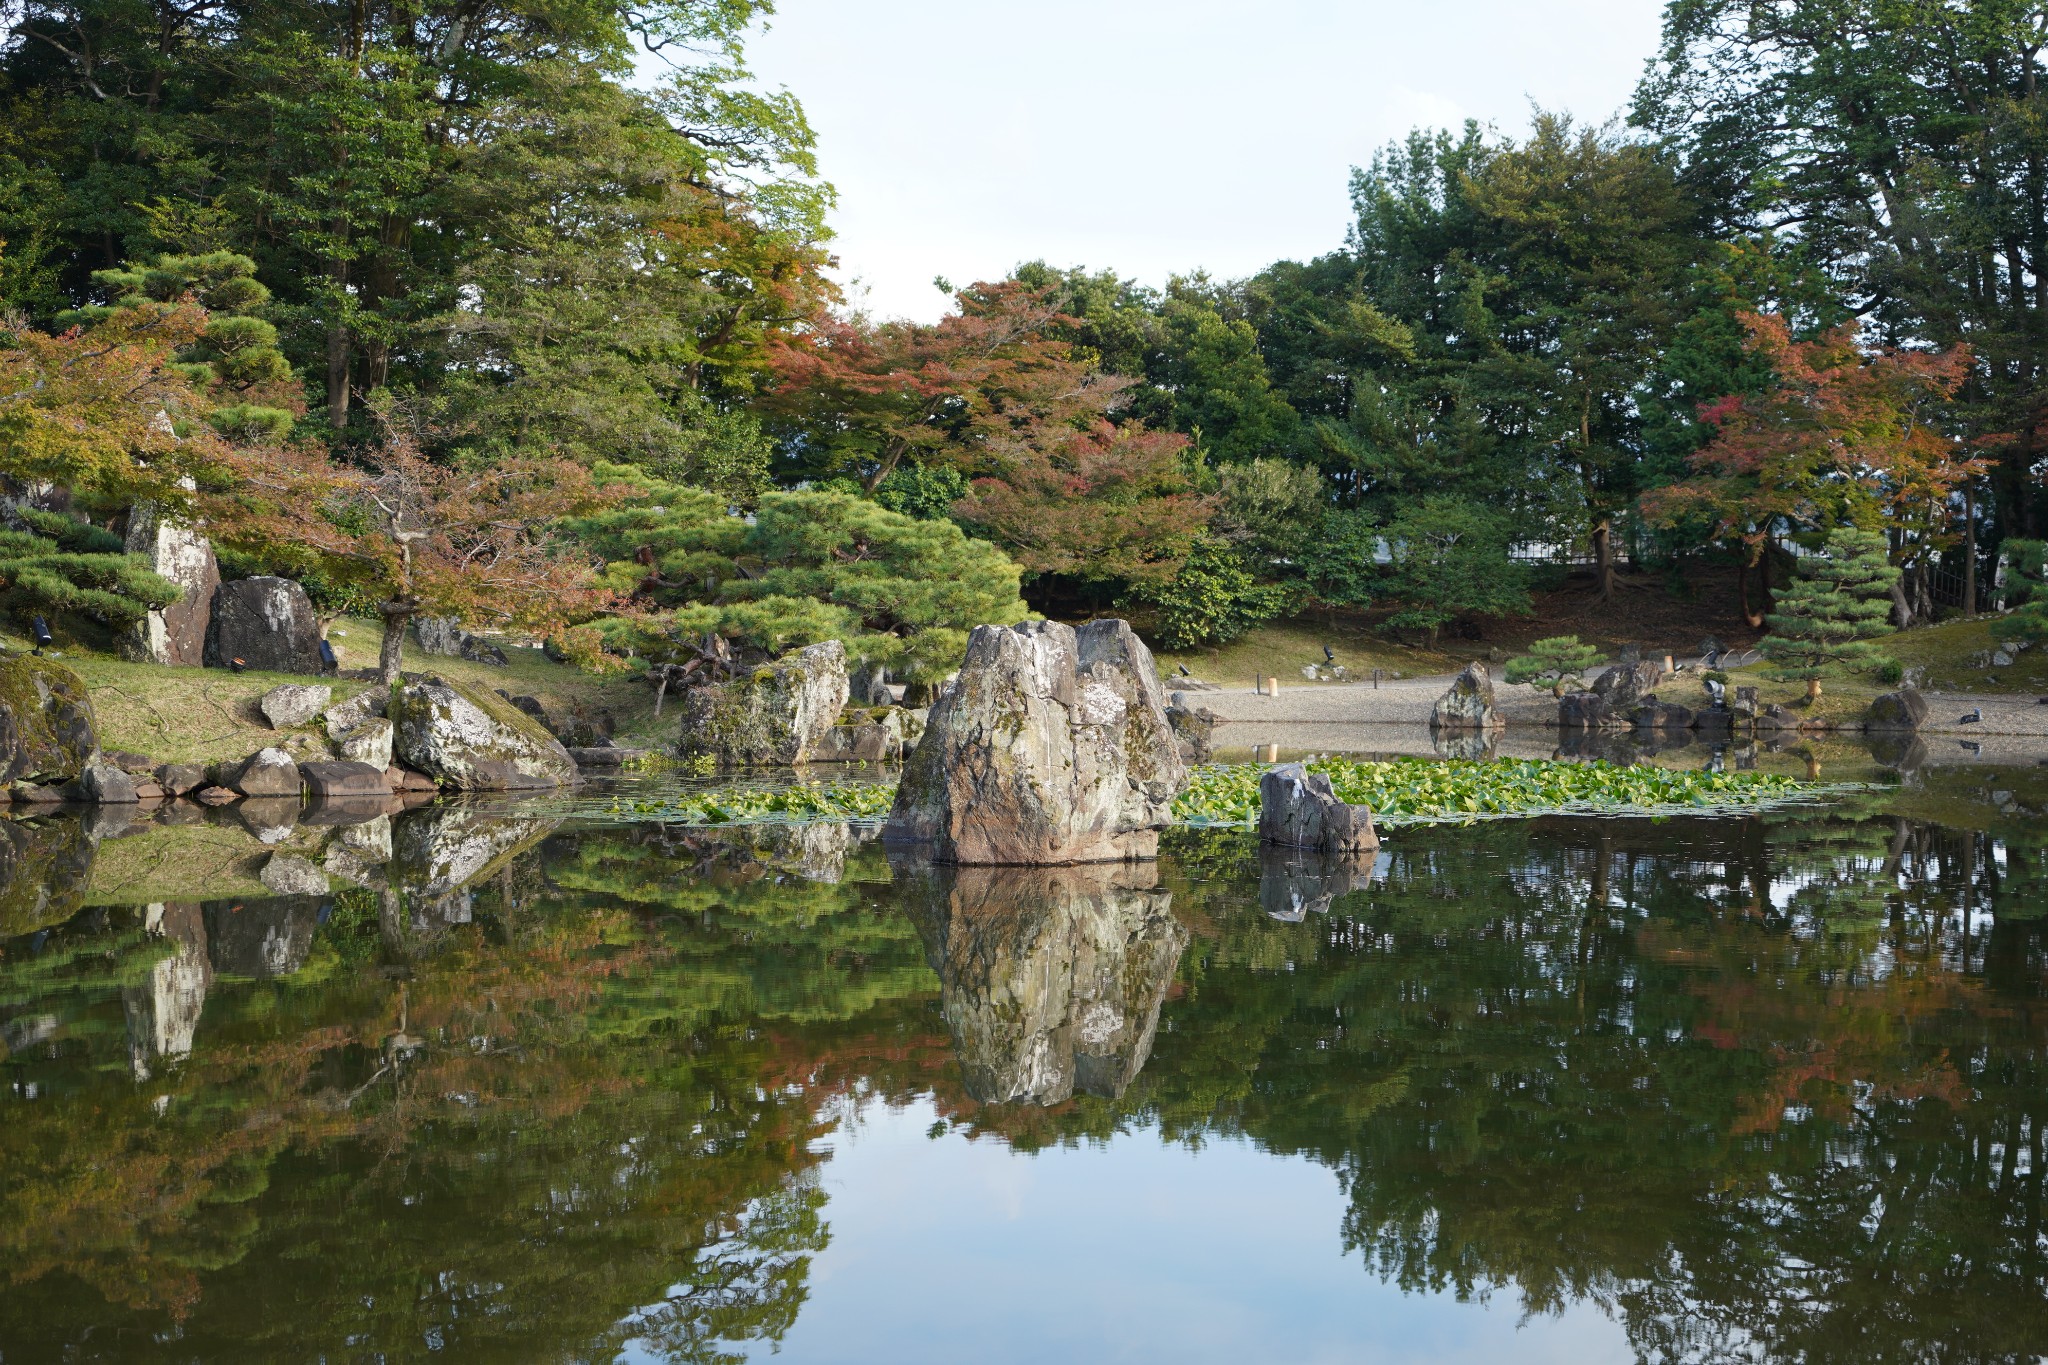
(1398, 791)
(1413, 791)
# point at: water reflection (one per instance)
(1050, 978)
(1754, 1088)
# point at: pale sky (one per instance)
(1153, 137)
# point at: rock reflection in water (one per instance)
(162, 1011)
(1050, 978)
(44, 866)
(1295, 883)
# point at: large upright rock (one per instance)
(267, 623)
(776, 715)
(1052, 747)
(474, 740)
(1299, 809)
(175, 634)
(1624, 686)
(1469, 703)
(47, 731)
(1050, 979)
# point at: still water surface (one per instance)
(518, 1088)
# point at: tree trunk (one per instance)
(1603, 557)
(337, 359)
(397, 614)
(1969, 549)
(1902, 609)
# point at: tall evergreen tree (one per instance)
(1828, 615)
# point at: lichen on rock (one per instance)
(1052, 747)
(777, 715)
(47, 730)
(472, 739)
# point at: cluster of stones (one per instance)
(801, 708)
(423, 735)
(1624, 697)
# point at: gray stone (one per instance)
(605, 756)
(290, 704)
(268, 772)
(1053, 747)
(1468, 705)
(47, 730)
(1050, 979)
(174, 634)
(1652, 714)
(444, 637)
(369, 743)
(1584, 711)
(107, 785)
(1626, 683)
(1299, 809)
(473, 740)
(777, 714)
(287, 874)
(867, 742)
(869, 686)
(130, 762)
(1194, 729)
(1904, 709)
(267, 623)
(344, 716)
(180, 778)
(2001, 659)
(341, 778)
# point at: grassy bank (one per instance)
(206, 715)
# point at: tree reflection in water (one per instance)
(1762, 1088)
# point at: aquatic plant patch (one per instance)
(1411, 791)
(1398, 791)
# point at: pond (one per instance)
(530, 1083)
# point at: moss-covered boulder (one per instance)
(47, 732)
(472, 739)
(778, 714)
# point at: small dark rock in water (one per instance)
(1584, 711)
(215, 796)
(1299, 809)
(1651, 714)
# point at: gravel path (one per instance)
(1407, 701)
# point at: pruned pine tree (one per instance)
(54, 566)
(1552, 663)
(1827, 617)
